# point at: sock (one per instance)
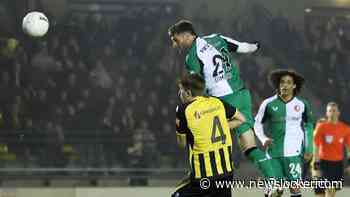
(266, 191)
(259, 159)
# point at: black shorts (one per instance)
(332, 171)
(192, 188)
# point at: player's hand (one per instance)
(257, 44)
(267, 143)
(316, 165)
(347, 170)
(307, 156)
(316, 173)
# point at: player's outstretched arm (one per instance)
(241, 47)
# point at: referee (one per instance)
(330, 137)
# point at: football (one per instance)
(35, 24)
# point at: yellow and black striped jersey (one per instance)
(204, 122)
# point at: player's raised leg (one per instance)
(242, 100)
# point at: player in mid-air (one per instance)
(288, 119)
(210, 57)
(204, 124)
(330, 136)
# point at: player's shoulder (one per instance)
(344, 124)
(303, 100)
(214, 38)
(269, 100)
(180, 108)
(322, 120)
(321, 124)
(210, 99)
(213, 101)
(221, 101)
(216, 35)
(215, 98)
(213, 35)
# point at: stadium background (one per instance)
(92, 103)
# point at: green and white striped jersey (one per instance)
(210, 57)
(290, 125)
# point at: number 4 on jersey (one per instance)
(217, 126)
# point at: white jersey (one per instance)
(287, 124)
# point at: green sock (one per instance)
(259, 159)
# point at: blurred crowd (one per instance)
(100, 92)
(93, 92)
(327, 59)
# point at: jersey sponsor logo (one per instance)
(283, 119)
(219, 78)
(328, 139)
(274, 108)
(297, 108)
(222, 76)
(197, 115)
(293, 118)
(210, 110)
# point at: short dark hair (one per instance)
(193, 82)
(276, 75)
(181, 27)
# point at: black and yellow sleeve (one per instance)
(181, 122)
(229, 110)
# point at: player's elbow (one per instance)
(234, 123)
(181, 145)
(181, 140)
(239, 116)
(257, 126)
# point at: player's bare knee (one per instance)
(330, 192)
(295, 190)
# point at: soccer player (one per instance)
(289, 121)
(205, 123)
(330, 136)
(210, 57)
